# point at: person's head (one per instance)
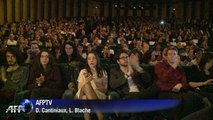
(125, 46)
(45, 63)
(122, 58)
(106, 49)
(69, 52)
(11, 37)
(83, 32)
(183, 54)
(80, 48)
(45, 58)
(37, 37)
(69, 48)
(85, 40)
(89, 48)
(111, 40)
(21, 41)
(198, 54)
(158, 47)
(57, 48)
(193, 52)
(13, 56)
(145, 47)
(171, 54)
(34, 47)
(164, 52)
(135, 55)
(206, 61)
(93, 62)
(56, 52)
(138, 43)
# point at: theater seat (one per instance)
(204, 114)
(18, 98)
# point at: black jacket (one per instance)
(143, 81)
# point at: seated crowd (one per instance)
(180, 54)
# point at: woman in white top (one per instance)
(92, 82)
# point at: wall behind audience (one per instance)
(2, 12)
(16, 10)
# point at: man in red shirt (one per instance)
(170, 76)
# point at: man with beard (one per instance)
(13, 78)
(129, 79)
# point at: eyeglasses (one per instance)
(124, 57)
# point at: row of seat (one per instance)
(70, 74)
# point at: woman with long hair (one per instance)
(200, 78)
(45, 81)
(45, 74)
(69, 53)
(92, 82)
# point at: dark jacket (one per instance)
(53, 79)
(119, 83)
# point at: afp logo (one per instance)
(25, 107)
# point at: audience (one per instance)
(191, 37)
(129, 79)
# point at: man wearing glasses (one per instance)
(129, 80)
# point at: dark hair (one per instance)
(145, 42)
(158, 43)
(172, 48)
(16, 52)
(75, 56)
(117, 56)
(137, 51)
(134, 51)
(57, 47)
(37, 66)
(146, 57)
(34, 43)
(98, 66)
(206, 57)
(80, 45)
